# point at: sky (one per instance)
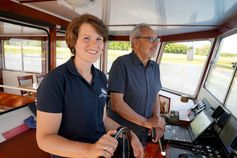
(230, 44)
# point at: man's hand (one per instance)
(159, 133)
(156, 122)
(138, 150)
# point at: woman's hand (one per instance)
(105, 146)
(138, 150)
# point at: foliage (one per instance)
(61, 44)
(119, 45)
(204, 50)
(183, 49)
(227, 54)
(26, 49)
(175, 48)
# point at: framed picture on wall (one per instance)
(164, 104)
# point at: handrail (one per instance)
(19, 88)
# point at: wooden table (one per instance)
(9, 101)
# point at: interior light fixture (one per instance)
(80, 3)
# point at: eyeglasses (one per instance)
(151, 39)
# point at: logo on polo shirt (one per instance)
(103, 93)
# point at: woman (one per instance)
(70, 110)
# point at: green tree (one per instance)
(119, 45)
(176, 48)
(203, 50)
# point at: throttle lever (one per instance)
(124, 131)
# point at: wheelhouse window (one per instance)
(222, 68)
(116, 49)
(231, 101)
(97, 63)
(24, 48)
(24, 54)
(182, 65)
(221, 81)
(63, 53)
(120, 48)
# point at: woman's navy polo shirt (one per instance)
(65, 91)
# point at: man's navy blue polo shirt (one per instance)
(140, 85)
(65, 91)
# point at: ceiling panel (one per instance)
(170, 16)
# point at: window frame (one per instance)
(44, 68)
(212, 62)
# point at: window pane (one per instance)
(26, 51)
(24, 55)
(97, 64)
(231, 103)
(12, 54)
(116, 49)
(222, 69)
(32, 56)
(63, 53)
(182, 65)
(218, 81)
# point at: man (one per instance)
(134, 83)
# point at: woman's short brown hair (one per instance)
(74, 28)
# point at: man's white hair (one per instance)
(137, 30)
